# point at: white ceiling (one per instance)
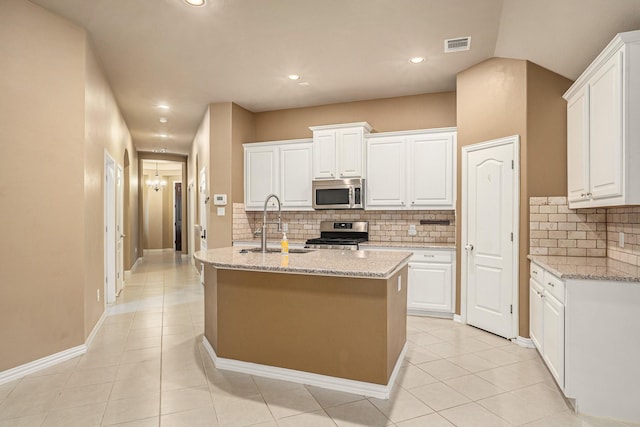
(241, 51)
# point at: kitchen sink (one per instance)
(277, 250)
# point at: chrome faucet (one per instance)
(263, 241)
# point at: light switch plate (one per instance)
(412, 230)
(621, 239)
(221, 211)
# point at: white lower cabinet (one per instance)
(546, 319)
(431, 280)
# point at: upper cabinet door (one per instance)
(386, 160)
(261, 178)
(605, 130)
(350, 148)
(431, 171)
(324, 154)
(296, 176)
(578, 146)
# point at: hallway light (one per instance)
(157, 184)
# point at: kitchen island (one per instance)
(330, 318)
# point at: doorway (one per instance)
(177, 215)
(490, 211)
(110, 229)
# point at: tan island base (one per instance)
(344, 333)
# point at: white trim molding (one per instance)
(40, 364)
(523, 342)
(333, 383)
(95, 329)
(457, 318)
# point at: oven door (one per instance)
(338, 194)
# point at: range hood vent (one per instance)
(458, 44)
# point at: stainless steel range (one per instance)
(345, 235)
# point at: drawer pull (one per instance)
(429, 256)
(551, 284)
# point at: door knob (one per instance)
(469, 247)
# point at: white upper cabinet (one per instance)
(295, 175)
(338, 150)
(603, 133)
(431, 170)
(411, 170)
(386, 181)
(282, 168)
(261, 176)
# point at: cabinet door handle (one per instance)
(589, 194)
(551, 284)
(534, 272)
(583, 195)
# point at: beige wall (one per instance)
(391, 114)
(57, 117)
(168, 237)
(41, 176)
(105, 132)
(243, 130)
(502, 97)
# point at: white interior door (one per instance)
(119, 237)
(110, 230)
(489, 235)
(203, 208)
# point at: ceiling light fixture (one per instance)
(416, 60)
(163, 120)
(294, 77)
(163, 135)
(196, 3)
(163, 106)
(156, 184)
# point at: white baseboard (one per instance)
(333, 383)
(457, 318)
(96, 328)
(523, 342)
(48, 361)
(43, 363)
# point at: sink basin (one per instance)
(276, 250)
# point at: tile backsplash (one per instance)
(558, 230)
(624, 220)
(384, 226)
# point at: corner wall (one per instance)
(41, 183)
(501, 97)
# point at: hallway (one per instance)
(147, 367)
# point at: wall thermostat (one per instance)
(220, 199)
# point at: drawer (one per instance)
(554, 285)
(432, 256)
(537, 273)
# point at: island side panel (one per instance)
(328, 325)
(396, 316)
(211, 306)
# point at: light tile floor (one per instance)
(147, 367)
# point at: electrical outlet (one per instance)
(399, 283)
(285, 227)
(621, 235)
(412, 230)
(98, 295)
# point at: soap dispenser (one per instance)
(284, 244)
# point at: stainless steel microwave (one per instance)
(338, 194)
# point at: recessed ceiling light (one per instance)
(294, 77)
(195, 2)
(163, 106)
(416, 60)
(163, 120)
(163, 135)
(159, 150)
(303, 84)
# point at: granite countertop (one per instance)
(413, 245)
(328, 262)
(365, 245)
(588, 268)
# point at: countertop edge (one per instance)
(310, 271)
(620, 275)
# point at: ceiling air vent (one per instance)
(457, 44)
